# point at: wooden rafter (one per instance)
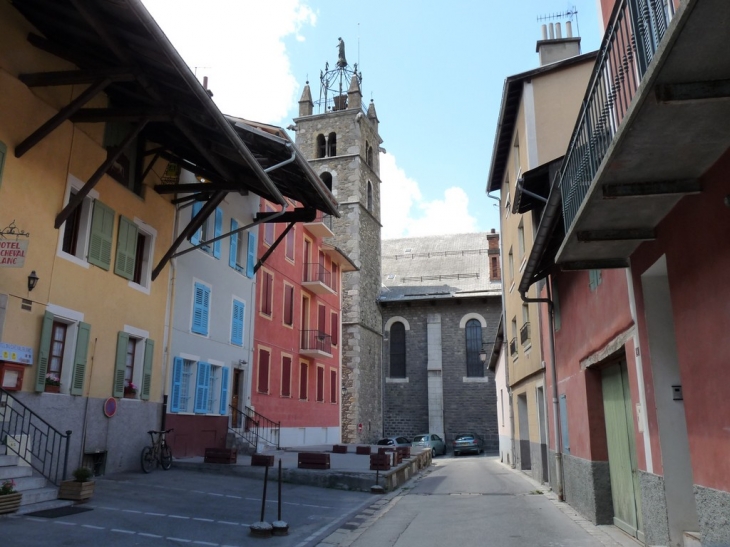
(75, 77)
(126, 114)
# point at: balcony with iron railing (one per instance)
(525, 335)
(316, 343)
(640, 142)
(317, 279)
(321, 226)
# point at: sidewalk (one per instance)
(348, 471)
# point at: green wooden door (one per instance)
(621, 449)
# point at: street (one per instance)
(184, 507)
(475, 500)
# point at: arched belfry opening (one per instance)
(321, 146)
(327, 179)
(332, 145)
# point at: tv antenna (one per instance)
(569, 15)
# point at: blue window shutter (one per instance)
(201, 306)
(251, 262)
(234, 245)
(195, 238)
(237, 323)
(564, 424)
(202, 385)
(224, 390)
(218, 230)
(177, 370)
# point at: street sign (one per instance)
(12, 253)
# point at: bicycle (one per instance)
(159, 453)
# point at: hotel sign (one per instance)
(16, 354)
(12, 253)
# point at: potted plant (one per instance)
(53, 383)
(79, 489)
(130, 390)
(9, 497)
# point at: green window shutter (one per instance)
(102, 230)
(82, 350)
(3, 153)
(44, 351)
(122, 341)
(126, 248)
(149, 354)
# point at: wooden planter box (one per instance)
(221, 455)
(9, 503)
(339, 449)
(313, 460)
(379, 462)
(262, 460)
(364, 450)
(74, 490)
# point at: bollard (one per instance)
(281, 528)
(262, 529)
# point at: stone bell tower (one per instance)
(342, 143)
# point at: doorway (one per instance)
(524, 424)
(623, 468)
(236, 414)
(541, 420)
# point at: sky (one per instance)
(435, 71)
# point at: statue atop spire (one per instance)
(341, 60)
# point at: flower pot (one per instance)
(52, 389)
(9, 503)
(74, 490)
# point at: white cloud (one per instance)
(405, 213)
(239, 45)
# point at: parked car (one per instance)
(394, 441)
(426, 440)
(468, 442)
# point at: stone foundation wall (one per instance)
(654, 509)
(588, 488)
(713, 510)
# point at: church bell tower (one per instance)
(341, 141)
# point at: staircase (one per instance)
(38, 493)
(251, 432)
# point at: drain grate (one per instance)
(60, 512)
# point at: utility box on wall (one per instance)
(11, 376)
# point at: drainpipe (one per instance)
(554, 378)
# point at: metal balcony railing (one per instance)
(633, 34)
(324, 219)
(39, 444)
(315, 272)
(513, 347)
(316, 340)
(525, 334)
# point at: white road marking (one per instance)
(205, 543)
(156, 514)
(178, 517)
(93, 527)
(227, 522)
(179, 539)
(130, 511)
(203, 520)
(36, 519)
(65, 522)
(123, 531)
(234, 497)
(148, 535)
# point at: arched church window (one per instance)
(370, 196)
(397, 350)
(321, 146)
(327, 179)
(332, 145)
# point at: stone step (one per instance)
(38, 495)
(8, 460)
(42, 506)
(30, 483)
(15, 472)
(692, 539)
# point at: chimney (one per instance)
(553, 47)
(495, 270)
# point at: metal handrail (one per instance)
(631, 40)
(40, 445)
(316, 340)
(253, 427)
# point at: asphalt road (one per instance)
(183, 507)
(473, 500)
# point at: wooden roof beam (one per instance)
(75, 77)
(103, 115)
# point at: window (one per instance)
(525, 314)
(267, 293)
(237, 319)
(334, 328)
(126, 255)
(251, 255)
(368, 154)
(263, 379)
(307, 252)
(327, 179)
(290, 239)
(594, 279)
(269, 228)
(474, 365)
(62, 353)
(335, 277)
(370, 196)
(201, 309)
(139, 259)
(303, 373)
(564, 424)
(556, 309)
(199, 387)
(525, 330)
(76, 231)
(126, 170)
(212, 226)
(332, 145)
(321, 319)
(286, 376)
(288, 305)
(133, 366)
(333, 386)
(516, 153)
(237, 250)
(511, 265)
(321, 146)
(521, 239)
(397, 350)
(320, 384)
(495, 268)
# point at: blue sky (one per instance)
(434, 69)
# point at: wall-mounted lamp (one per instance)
(483, 354)
(32, 281)
(242, 362)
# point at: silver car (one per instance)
(394, 441)
(468, 442)
(432, 441)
